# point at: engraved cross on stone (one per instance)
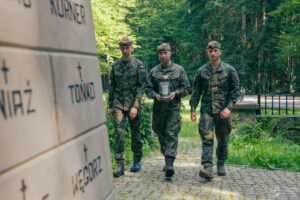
(4, 70)
(45, 197)
(85, 152)
(23, 189)
(79, 69)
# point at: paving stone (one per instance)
(240, 183)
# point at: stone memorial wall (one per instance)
(53, 140)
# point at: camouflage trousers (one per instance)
(167, 124)
(119, 118)
(209, 122)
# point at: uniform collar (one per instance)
(219, 68)
(125, 62)
(167, 68)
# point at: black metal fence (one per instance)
(281, 103)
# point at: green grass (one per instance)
(282, 112)
(272, 153)
(189, 129)
(256, 146)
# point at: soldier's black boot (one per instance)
(169, 166)
(136, 167)
(206, 172)
(220, 168)
(120, 170)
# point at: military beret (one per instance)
(213, 45)
(164, 47)
(125, 41)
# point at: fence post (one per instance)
(265, 104)
(279, 105)
(272, 104)
(293, 104)
(258, 102)
(286, 104)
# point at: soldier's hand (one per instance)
(133, 113)
(157, 96)
(110, 113)
(193, 116)
(225, 114)
(172, 95)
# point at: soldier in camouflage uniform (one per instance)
(218, 83)
(127, 85)
(166, 120)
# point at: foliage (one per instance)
(149, 142)
(110, 27)
(261, 146)
(259, 38)
(154, 22)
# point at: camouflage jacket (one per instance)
(127, 84)
(219, 88)
(177, 77)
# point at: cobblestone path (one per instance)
(240, 182)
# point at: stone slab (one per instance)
(27, 111)
(111, 196)
(55, 24)
(78, 92)
(78, 170)
(245, 106)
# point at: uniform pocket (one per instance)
(143, 76)
(118, 78)
(132, 77)
(223, 78)
(174, 123)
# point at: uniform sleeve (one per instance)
(234, 88)
(111, 88)
(150, 88)
(197, 91)
(142, 79)
(184, 86)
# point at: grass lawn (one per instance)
(189, 129)
(252, 146)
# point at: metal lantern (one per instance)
(165, 87)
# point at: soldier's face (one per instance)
(214, 54)
(126, 52)
(165, 57)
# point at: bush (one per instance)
(263, 145)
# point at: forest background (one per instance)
(260, 38)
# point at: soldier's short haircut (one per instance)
(125, 41)
(164, 47)
(213, 45)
